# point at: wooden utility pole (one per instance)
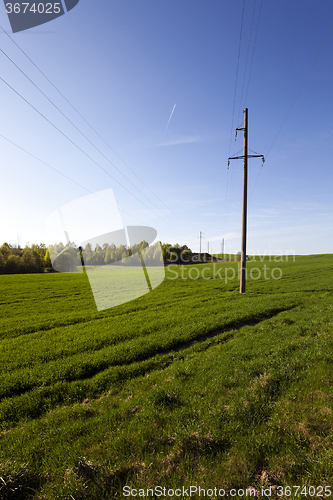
(244, 214)
(244, 217)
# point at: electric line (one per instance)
(80, 149)
(73, 124)
(58, 171)
(254, 47)
(300, 90)
(225, 220)
(69, 178)
(247, 56)
(229, 195)
(255, 182)
(92, 128)
(239, 50)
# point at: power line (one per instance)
(63, 114)
(239, 50)
(80, 149)
(247, 56)
(65, 98)
(68, 138)
(58, 171)
(254, 47)
(73, 124)
(92, 128)
(227, 195)
(300, 89)
(69, 178)
(256, 182)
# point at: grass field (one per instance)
(191, 384)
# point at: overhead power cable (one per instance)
(291, 107)
(229, 185)
(247, 57)
(239, 51)
(69, 178)
(91, 127)
(254, 48)
(256, 182)
(58, 171)
(82, 151)
(73, 124)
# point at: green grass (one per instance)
(191, 384)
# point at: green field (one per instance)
(191, 384)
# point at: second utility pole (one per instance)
(200, 238)
(244, 216)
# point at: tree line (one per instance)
(17, 260)
(37, 258)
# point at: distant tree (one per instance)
(39, 258)
(40, 250)
(119, 253)
(165, 248)
(97, 257)
(174, 254)
(31, 261)
(143, 244)
(47, 261)
(157, 257)
(5, 250)
(88, 254)
(13, 265)
(113, 256)
(66, 261)
(107, 258)
(59, 248)
(134, 249)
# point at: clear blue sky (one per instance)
(124, 65)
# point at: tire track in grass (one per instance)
(31, 400)
(83, 365)
(234, 327)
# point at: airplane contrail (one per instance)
(173, 109)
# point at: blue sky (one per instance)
(124, 65)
